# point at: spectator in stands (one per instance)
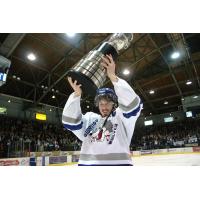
(22, 136)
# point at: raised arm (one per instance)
(72, 115)
(127, 98)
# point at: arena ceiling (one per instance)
(148, 60)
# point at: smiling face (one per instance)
(105, 107)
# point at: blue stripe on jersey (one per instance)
(113, 113)
(133, 112)
(106, 165)
(73, 127)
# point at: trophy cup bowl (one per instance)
(88, 72)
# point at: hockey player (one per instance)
(106, 137)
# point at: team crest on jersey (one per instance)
(107, 133)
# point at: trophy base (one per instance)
(88, 87)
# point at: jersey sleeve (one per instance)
(129, 102)
(130, 106)
(72, 117)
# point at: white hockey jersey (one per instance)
(110, 146)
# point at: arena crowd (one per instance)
(20, 137)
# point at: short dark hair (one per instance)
(104, 97)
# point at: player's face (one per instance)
(105, 107)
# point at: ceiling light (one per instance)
(50, 110)
(53, 97)
(151, 92)
(195, 97)
(9, 101)
(175, 55)
(31, 57)
(70, 34)
(126, 72)
(166, 102)
(188, 82)
(88, 106)
(18, 78)
(42, 86)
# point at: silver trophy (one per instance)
(88, 72)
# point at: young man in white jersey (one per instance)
(106, 137)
